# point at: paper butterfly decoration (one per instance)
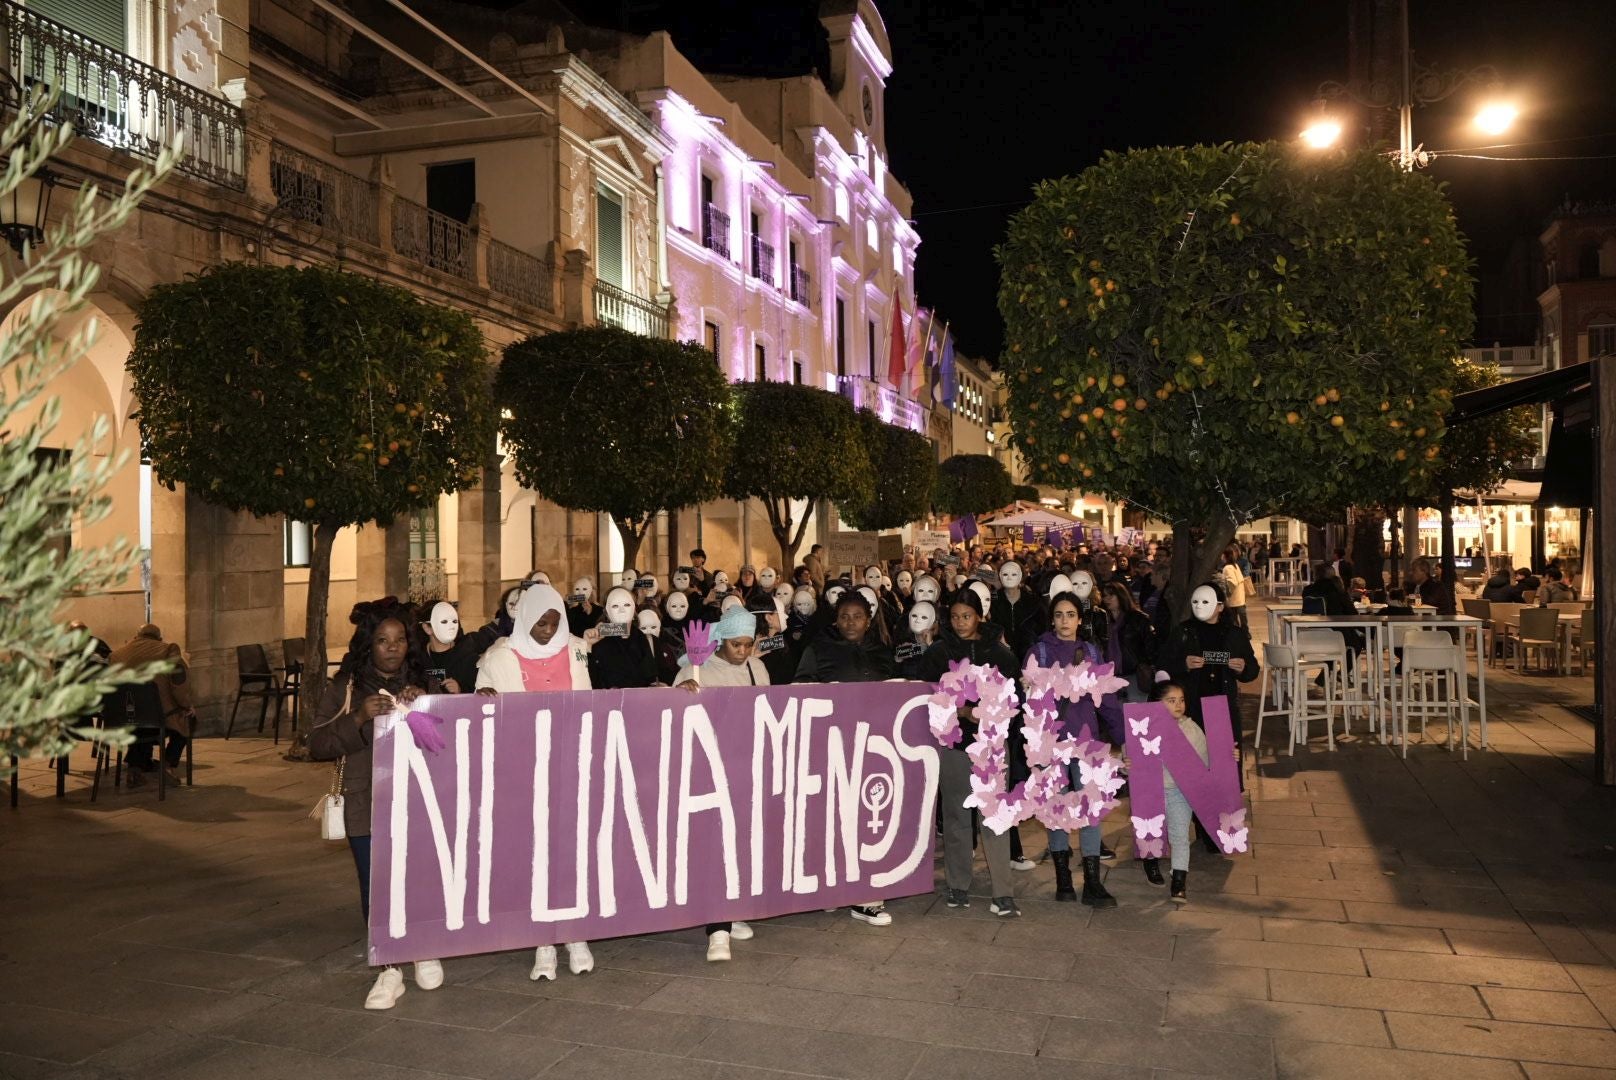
(1151, 826)
(1150, 746)
(1232, 831)
(699, 643)
(1139, 727)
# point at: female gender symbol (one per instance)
(876, 797)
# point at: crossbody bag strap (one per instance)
(347, 703)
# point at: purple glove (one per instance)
(699, 643)
(424, 729)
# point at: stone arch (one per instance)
(98, 382)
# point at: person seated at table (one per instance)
(1554, 589)
(1327, 586)
(1396, 603)
(1359, 590)
(1498, 589)
(147, 647)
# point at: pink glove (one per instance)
(424, 729)
(699, 643)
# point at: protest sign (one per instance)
(855, 549)
(571, 816)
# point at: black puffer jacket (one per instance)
(831, 658)
(987, 647)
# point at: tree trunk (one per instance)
(1449, 604)
(780, 524)
(632, 538)
(1193, 565)
(1396, 560)
(1411, 536)
(1368, 550)
(312, 686)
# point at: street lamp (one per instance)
(1496, 117)
(1322, 134)
(24, 211)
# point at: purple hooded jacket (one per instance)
(1075, 716)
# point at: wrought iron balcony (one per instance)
(308, 190)
(620, 308)
(884, 401)
(118, 101)
(715, 229)
(434, 239)
(516, 275)
(799, 286)
(762, 260)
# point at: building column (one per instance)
(478, 564)
(382, 559)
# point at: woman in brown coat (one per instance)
(381, 671)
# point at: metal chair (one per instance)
(257, 680)
(1586, 644)
(1288, 690)
(1506, 625)
(1433, 683)
(138, 706)
(292, 651)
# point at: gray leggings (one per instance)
(1179, 833)
(954, 787)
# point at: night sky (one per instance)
(989, 96)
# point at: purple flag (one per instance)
(956, 532)
(1026, 533)
(968, 529)
(571, 816)
(1056, 538)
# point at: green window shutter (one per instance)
(609, 237)
(100, 20)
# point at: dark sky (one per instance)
(989, 96)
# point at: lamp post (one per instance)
(1413, 85)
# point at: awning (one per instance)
(1039, 517)
(1532, 390)
(1568, 469)
(1512, 491)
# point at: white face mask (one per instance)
(1010, 575)
(959, 582)
(445, 622)
(721, 582)
(539, 576)
(783, 591)
(767, 577)
(1204, 603)
(584, 588)
(650, 623)
(678, 605)
(731, 601)
(927, 589)
(870, 597)
(1083, 584)
(803, 603)
(872, 577)
(626, 578)
(511, 602)
(983, 593)
(620, 606)
(922, 617)
(833, 593)
(906, 582)
(1058, 584)
(681, 582)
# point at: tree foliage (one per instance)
(49, 676)
(1025, 493)
(971, 484)
(795, 443)
(904, 467)
(321, 395)
(1216, 333)
(1477, 454)
(605, 420)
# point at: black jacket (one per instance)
(987, 648)
(1136, 638)
(624, 663)
(831, 658)
(1219, 643)
(1021, 621)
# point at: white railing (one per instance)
(616, 307)
(118, 101)
(884, 401)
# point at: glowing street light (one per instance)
(1496, 117)
(1322, 134)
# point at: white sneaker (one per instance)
(717, 946)
(739, 931)
(874, 914)
(579, 958)
(387, 989)
(1023, 864)
(429, 974)
(544, 963)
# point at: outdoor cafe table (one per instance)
(1372, 627)
(1379, 642)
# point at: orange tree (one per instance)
(311, 393)
(1218, 333)
(972, 484)
(605, 420)
(904, 467)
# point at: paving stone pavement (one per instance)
(1427, 918)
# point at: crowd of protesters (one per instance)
(906, 619)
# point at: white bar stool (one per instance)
(1433, 684)
(1289, 696)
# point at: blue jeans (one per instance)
(360, 846)
(1179, 834)
(1088, 837)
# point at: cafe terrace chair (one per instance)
(257, 680)
(1506, 625)
(1540, 630)
(1585, 646)
(1285, 684)
(1432, 684)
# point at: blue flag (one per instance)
(945, 371)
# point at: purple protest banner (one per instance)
(1212, 788)
(595, 814)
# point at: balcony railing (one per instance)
(516, 275)
(308, 190)
(715, 229)
(762, 260)
(884, 401)
(616, 307)
(120, 102)
(434, 239)
(799, 286)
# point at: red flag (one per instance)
(895, 360)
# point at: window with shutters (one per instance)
(711, 330)
(1602, 340)
(610, 256)
(105, 21)
(841, 336)
(761, 355)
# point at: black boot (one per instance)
(1153, 872)
(1094, 894)
(1177, 894)
(1063, 875)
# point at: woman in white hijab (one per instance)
(540, 654)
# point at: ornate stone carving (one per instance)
(641, 224)
(195, 42)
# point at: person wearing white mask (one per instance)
(1209, 656)
(583, 613)
(1015, 610)
(679, 582)
(540, 655)
(620, 657)
(768, 578)
(783, 592)
(904, 584)
(928, 589)
(731, 664)
(451, 654)
(921, 627)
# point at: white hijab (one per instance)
(530, 608)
